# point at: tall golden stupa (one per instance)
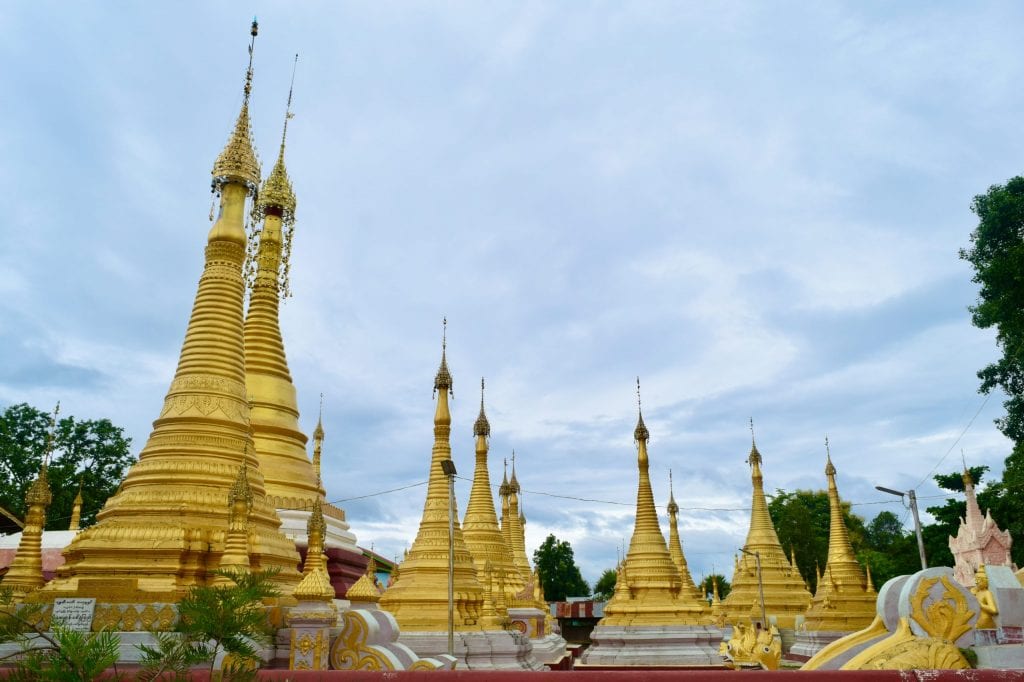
(164, 530)
(480, 525)
(651, 618)
(419, 599)
(845, 599)
(785, 594)
(513, 523)
(654, 593)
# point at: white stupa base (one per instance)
(810, 642)
(293, 525)
(653, 645)
(481, 650)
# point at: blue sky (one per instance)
(754, 207)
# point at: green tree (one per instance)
(229, 619)
(605, 585)
(90, 453)
(707, 585)
(802, 520)
(559, 573)
(997, 255)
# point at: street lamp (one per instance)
(912, 496)
(760, 586)
(448, 467)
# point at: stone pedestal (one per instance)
(309, 637)
(548, 647)
(654, 645)
(480, 650)
(809, 643)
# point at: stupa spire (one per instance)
(316, 583)
(236, 543)
(176, 494)
(480, 528)
(516, 531)
(653, 595)
(419, 600)
(280, 444)
(25, 573)
(675, 545)
(843, 600)
(76, 509)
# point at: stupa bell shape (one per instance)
(164, 530)
(843, 600)
(978, 541)
(651, 594)
(675, 546)
(785, 595)
(419, 599)
(480, 525)
(25, 574)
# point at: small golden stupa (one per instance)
(675, 546)
(845, 599)
(419, 600)
(513, 524)
(164, 530)
(480, 525)
(785, 594)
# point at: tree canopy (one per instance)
(605, 585)
(724, 586)
(92, 453)
(997, 255)
(559, 573)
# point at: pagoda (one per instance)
(651, 618)
(164, 529)
(979, 541)
(675, 546)
(419, 598)
(292, 482)
(844, 601)
(785, 595)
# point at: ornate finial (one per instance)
(830, 469)
(318, 432)
(443, 378)
(240, 489)
(51, 436)
(238, 161)
(673, 508)
(755, 457)
(870, 587)
(76, 508)
(513, 483)
(482, 427)
(503, 489)
(640, 433)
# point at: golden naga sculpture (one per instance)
(752, 646)
(785, 594)
(649, 590)
(844, 599)
(164, 530)
(419, 600)
(369, 641)
(480, 525)
(280, 444)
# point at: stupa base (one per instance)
(810, 642)
(480, 650)
(654, 646)
(548, 647)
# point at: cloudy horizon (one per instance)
(755, 209)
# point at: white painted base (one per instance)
(293, 525)
(485, 650)
(811, 642)
(654, 645)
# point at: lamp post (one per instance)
(912, 496)
(448, 467)
(760, 586)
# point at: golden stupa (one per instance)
(419, 599)
(785, 594)
(280, 444)
(652, 592)
(164, 530)
(480, 525)
(513, 523)
(25, 574)
(845, 599)
(675, 546)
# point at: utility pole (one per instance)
(448, 467)
(760, 586)
(912, 496)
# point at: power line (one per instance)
(943, 458)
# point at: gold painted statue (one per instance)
(986, 602)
